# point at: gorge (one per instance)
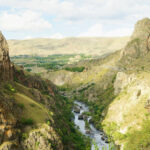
(86, 104)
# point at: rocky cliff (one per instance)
(139, 43)
(128, 118)
(6, 66)
(33, 115)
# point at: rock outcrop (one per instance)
(6, 68)
(122, 80)
(44, 138)
(139, 44)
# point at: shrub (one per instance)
(32, 105)
(10, 88)
(142, 138)
(75, 69)
(21, 106)
(27, 121)
(24, 136)
(29, 70)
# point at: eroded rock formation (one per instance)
(6, 66)
(139, 44)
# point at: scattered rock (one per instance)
(101, 133)
(80, 117)
(91, 121)
(88, 132)
(85, 117)
(103, 138)
(106, 141)
(76, 109)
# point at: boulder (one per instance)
(85, 117)
(91, 121)
(88, 132)
(76, 109)
(103, 138)
(106, 140)
(80, 117)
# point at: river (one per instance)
(94, 134)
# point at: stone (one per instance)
(103, 138)
(80, 117)
(85, 117)
(76, 109)
(88, 132)
(91, 121)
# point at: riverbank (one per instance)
(98, 138)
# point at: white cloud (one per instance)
(94, 31)
(119, 16)
(23, 21)
(57, 36)
(97, 30)
(82, 9)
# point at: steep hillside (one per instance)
(128, 116)
(31, 114)
(88, 46)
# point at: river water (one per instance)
(94, 134)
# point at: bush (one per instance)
(21, 106)
(29, 70)
(24, 136)
(10, 88)
(139, 139)
(27, 121)
(75, 69)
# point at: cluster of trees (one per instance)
(75, 69)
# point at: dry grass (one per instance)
(92, 46)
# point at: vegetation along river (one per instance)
(98, 138)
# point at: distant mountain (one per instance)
(44, 47)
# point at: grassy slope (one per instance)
(32, 109)
(127, 119)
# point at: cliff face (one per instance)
(127, 118)
(33, 115)
(139, 44)
(6, 67)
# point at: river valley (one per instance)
(98, 137)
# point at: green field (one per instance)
(55, 62)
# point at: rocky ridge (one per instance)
(33, 90)
(139, 43)
(6, 67)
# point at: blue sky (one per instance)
(23, 19)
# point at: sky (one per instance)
(24, 19)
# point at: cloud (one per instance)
(83, 9)
(57, 36)
(23, 21)
(98, 30)
(72, 17)
(94, 31)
